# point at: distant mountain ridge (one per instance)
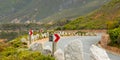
(38, 10)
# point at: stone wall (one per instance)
(95, 31)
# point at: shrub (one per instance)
(8, 35)
(115, 37)
(16, 51)
(24, 55)
(3, 45)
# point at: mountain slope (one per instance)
(26, 10)
(98, 19)
(76, 11)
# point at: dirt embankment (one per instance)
(3, 40)
(104, 44)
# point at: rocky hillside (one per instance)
(99, 19)
(17, 11)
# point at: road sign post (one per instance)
(54, 43)
(57, 38)
(53, 48)
(30, 34)
(51, 37)
(29, 39)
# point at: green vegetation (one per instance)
(10, 31)
(106, 17)
(8, 35)
(20, 26)
(115, 37)
(16, 50)
(100, 19)
(84, 23)
(11, 53)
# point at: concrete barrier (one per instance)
(98, 53)
(73, 51)
(59, 55)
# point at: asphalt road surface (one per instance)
(87, 41)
